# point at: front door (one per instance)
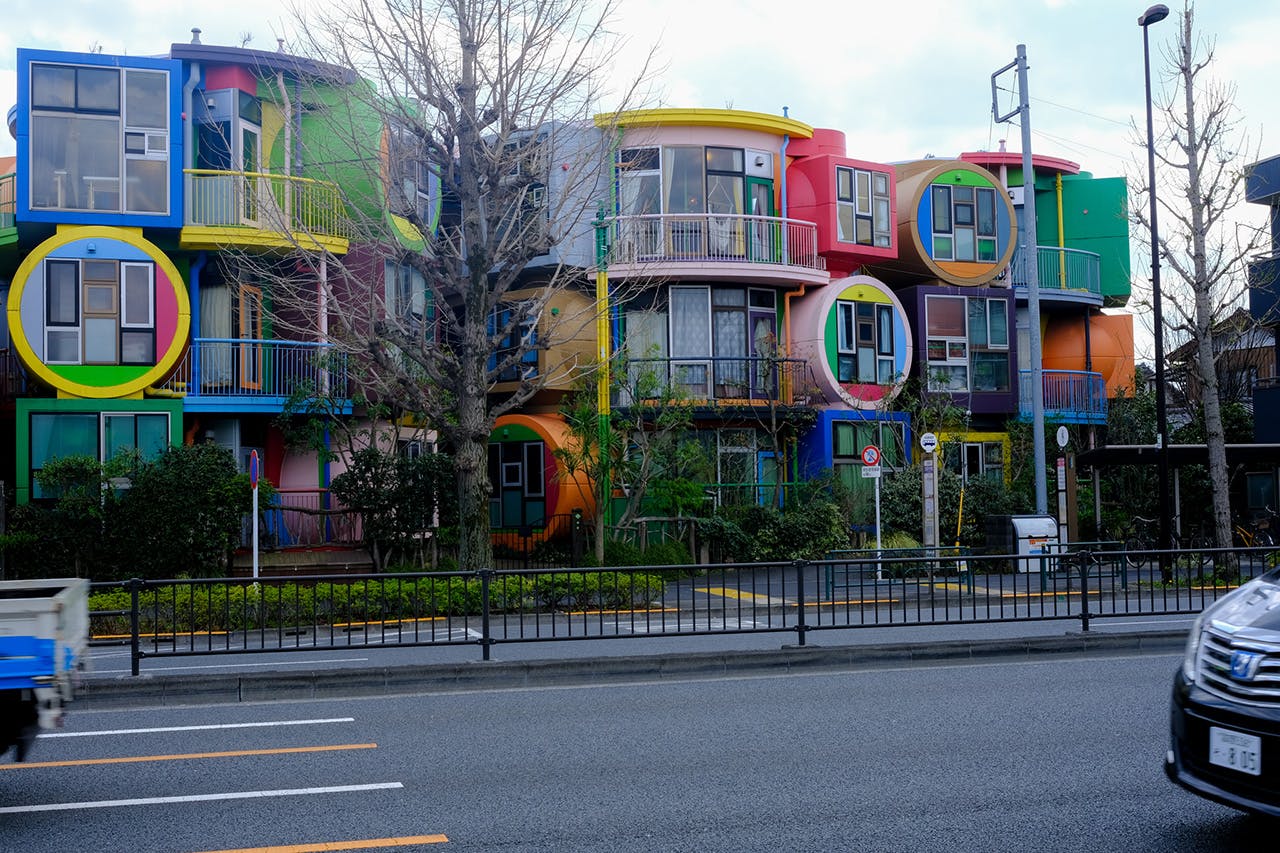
(253, 186)
(765, 233)
(250, 310)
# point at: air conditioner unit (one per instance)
(1015, 195)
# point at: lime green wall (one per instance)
(24, 408)
(1095, 219)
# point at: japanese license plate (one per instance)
(1235, 750)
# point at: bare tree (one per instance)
(1201, 148)
(485, 303)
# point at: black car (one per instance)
(1225, 714)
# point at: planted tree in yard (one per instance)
(493, 102)
(1200, 149)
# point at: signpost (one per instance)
(871, 468)
(929, 491)
(253, 483)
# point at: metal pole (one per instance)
(1029, 255)
(1154, 15)
(603, 358)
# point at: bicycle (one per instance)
(1257, 534)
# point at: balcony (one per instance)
(8, 207)
(1264, 288)
(1070, 396)
(719, 381)
(1070, 274)
(253, 209)
(241, 374)
(716, 246)
(13, 378)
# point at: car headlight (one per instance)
(1191, 654)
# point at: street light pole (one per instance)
(1154, 15)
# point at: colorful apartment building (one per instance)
(785, 288)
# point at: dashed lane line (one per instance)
(199, 798)
(259, 725)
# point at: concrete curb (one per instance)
(176, 690)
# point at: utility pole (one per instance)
(1027, 245)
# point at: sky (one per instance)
(901, 79)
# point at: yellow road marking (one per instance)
(321, 846)
(238, 753)
(726, 592)
(857, 601)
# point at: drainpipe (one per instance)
(322, 319)
(197, 267)
(786, 314)
(615, 313)
(188, 131)
(782, 188)
(288, 149)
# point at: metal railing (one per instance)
(8, 200)
(303, 518)
(13, 377)
(722, 380)
(715, 238)
(225, 616)
(246, 367)
(267, 202)
(1060, 269)
(1074, 396)
(559, 540)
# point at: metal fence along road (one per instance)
(216, 616)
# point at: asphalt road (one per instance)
(1047, 753)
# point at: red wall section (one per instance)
(231, 77)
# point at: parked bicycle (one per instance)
(1143, 537)
(1258, 532)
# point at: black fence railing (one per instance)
(222, 616)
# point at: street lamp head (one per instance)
(1154, 15)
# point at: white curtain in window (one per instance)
(215, 322)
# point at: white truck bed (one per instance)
(44, 629)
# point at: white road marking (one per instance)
(203, 728)
(233, 665)
(199, 798)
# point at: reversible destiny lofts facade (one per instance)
(154, 207)
(778, 285)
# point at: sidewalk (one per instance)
(398, 671)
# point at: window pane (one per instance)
(728, 296)
(638, 159)
(58, 436)
(724, 194)
(137, 347)
(684, 183)
(886, 371)
(864, 192)
(53, 86)
(943, 250)
(61, 305)
(117, 435)
(137, 296)
(990, 371)
(986, 249)
(100, 271)
(945, 315)
(100, 341)
(690, 322)
(844, 326)
(62, 347)
(864, 231)
(884, 330)
(763, 299)
(881, 214)
(153, 434)
(964, 244)
(724, 159)
(99, 299)
(534, 473)
(999, 322)
(987, 212)
(964, 214)
(75, 162)
(147, 185)
(146, 99)
(844, 440)
(964, 194)
(978, 322)
(844, 184)
(866, 365)
(942, 209)
(98, 89)
(844, 220)
(881, 182)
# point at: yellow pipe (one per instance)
(1062, 241)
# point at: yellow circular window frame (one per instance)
(18, 335)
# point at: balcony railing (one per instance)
(8, 200)
(1073, 396)
(13, 378)
(279, 203)
(1060, 269)
(715, 238)
(243, 367)
(742, 381)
